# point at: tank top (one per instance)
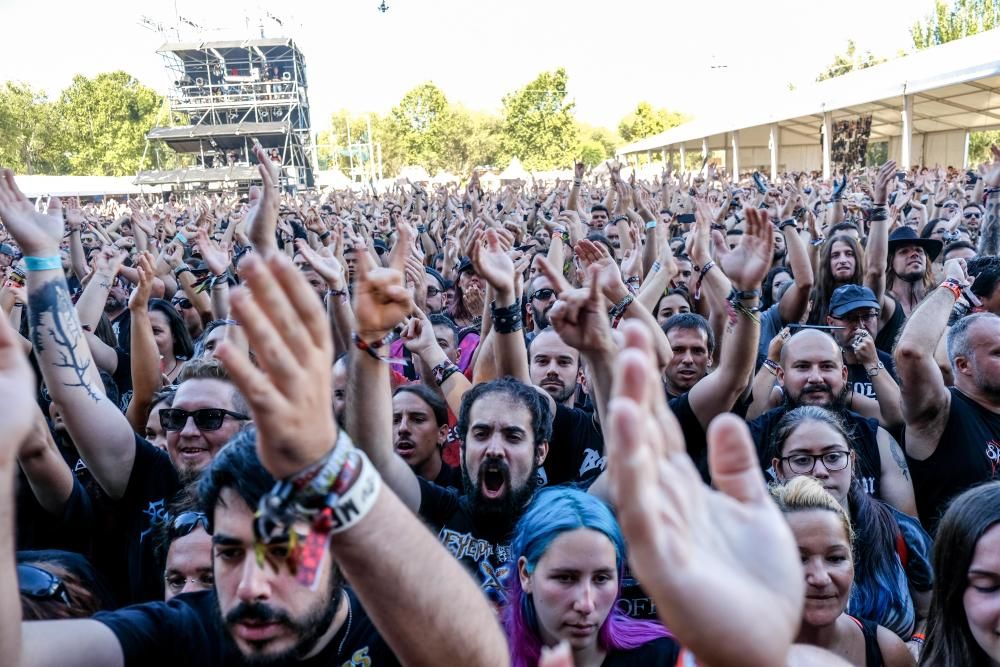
(873, 654)
(887, 335)
(967, 454)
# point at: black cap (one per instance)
(445, 283)
(466, 265)
(851, 297)
(905, 236)
(380, 247)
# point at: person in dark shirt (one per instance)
(870, 371)
(952, 433)
(420, 428)
(693, 344)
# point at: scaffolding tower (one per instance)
(225, 96)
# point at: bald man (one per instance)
(812, 372)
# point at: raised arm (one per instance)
(101, 433)
(147, 372)
(746, 267)
(380, 303)
(497, 269)
(262, 217)
(925, 398)
(989, 234)
(795, 301)
(877, 252)
(897, 487)
(290, 398)
(90, 305)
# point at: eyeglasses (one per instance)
(804, 464)
(40, 584)
(206, 419)
(543, 294)
(433, 291)
(182, 304)
(185, 522)
(972, 214)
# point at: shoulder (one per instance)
(149, 633)
(893, 650)
(437, 503)
(153, 475)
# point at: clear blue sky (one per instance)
(616, 53)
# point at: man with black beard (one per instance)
(504, 427)
(812, 372)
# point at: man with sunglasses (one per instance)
(541, 297)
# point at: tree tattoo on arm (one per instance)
(899, 457)
(54, 322)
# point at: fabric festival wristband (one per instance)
(42, 263)
(180, 238)
(650, 224)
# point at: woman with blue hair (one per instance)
(569, 556)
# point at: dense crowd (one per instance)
(701, 419)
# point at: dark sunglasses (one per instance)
(185, 522)
(972, 214)
(182, 304)
(543, 294)
(40, 584)
(206, 419)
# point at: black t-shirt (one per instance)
(188, 631)
(125, 553)
(662, 652)
(967, 454)
(858, 378)
(484, 550)
(449, 477)
(71, 530)
(864, 443)
(576, 449)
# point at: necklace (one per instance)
(350, 613)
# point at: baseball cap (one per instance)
(851, 297)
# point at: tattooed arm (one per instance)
(989, 235)
(897, 488)
(99, 430)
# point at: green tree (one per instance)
(646, 121)
(416, 129)
(979, 146)
(596, 144)
(335, 146)
(849, 61)
(104, 121)
(30, 141)
(537, 123)
(950, 22)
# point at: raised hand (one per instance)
(380, 300)
(262, 216)
(139, 299)
(607, 274)
(722, 558)
(418, 335)
(324, 263)
(37, 234)
(580, 316)
(886, 174)
(109, 259)
(139, 218)
(74, 216)
(289, 389)
(493, 264)
(748, 263)
(216, 255)
(992, 175)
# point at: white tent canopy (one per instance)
(81, 186)
(923, 105)
(515, 171)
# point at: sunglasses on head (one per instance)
(185, 522)
(542, 294)
(206, 419)
(40, 584)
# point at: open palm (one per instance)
(38, 234)
(748, 263)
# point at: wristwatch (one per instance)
(873, 371)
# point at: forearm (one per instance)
(220, 300)
(457, 625)
(104, 355)
(90, 305)
(875, 258)
(761, 388)
(889, 400)
(10, 595)
(556, 255)
(650, 249)
(77, 257)
(453, 388)
(600, 369)
(511, 352)
(369, 422)
(989, 234)
(147, 376)
(653, 287)
(201, 302)
(717, 392)
(50, 478)
(341, 321)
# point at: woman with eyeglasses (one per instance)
(824, 535)
(892, 579)
(188, 546)
(964, 624)
(566, 570)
